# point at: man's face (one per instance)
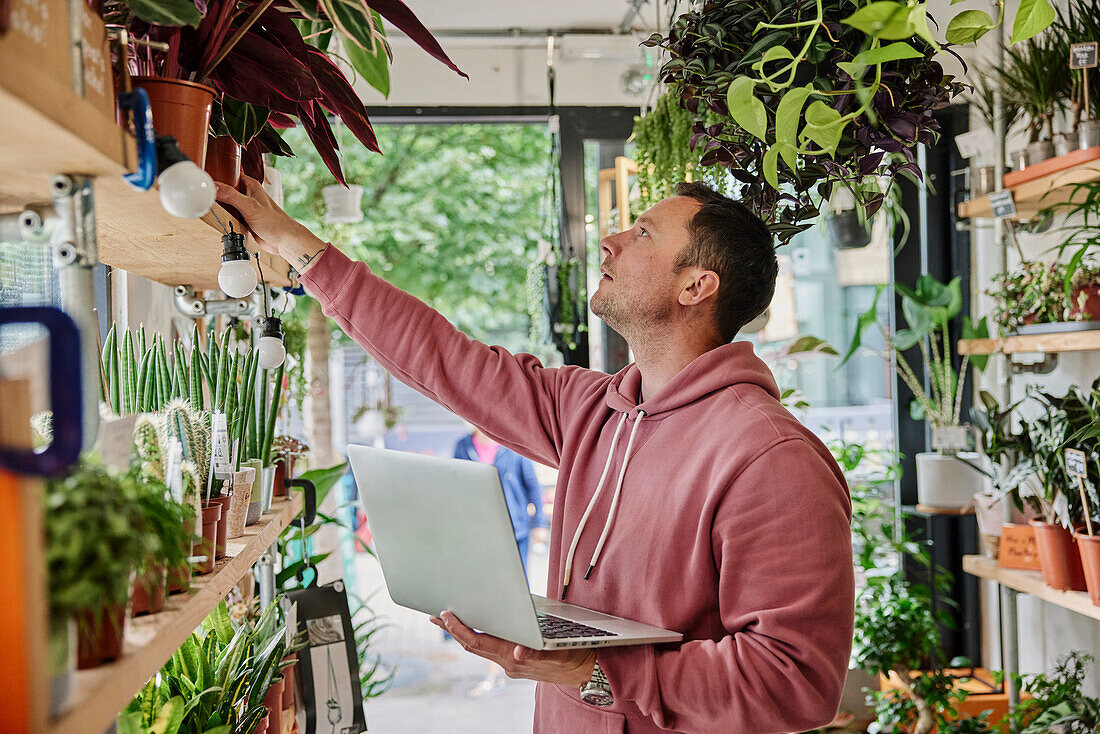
(637, 284)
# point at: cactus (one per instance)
(192, 428)
(148, 455)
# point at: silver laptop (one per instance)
(444, 538)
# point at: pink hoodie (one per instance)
(731, 525)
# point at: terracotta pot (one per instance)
(223, 525)
(100, 641)
(261, 727)
(211, 513)
(1092, 302)
(240, 496)
(223, 159)
(148, 594)
(289, 674)
(1059, 558)
(284, 469)
(274, 703)
(1089, 547)
(179, 578)
(180, 109)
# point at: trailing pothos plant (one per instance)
(815, 94)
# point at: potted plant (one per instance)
(1000, 446)
(942, 480)
(286, 451)
(814, 94)
(1037, 78)
(169, 524)
(1056, 701)
(265, 73)
(1079, 22)
(95, 540)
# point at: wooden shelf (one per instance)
(1031, 196)
(1031, 583)
(133, 230)
(99, 694)
(1068, 341)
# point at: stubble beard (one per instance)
(634, 319)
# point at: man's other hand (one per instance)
(275, 230)
(564, 667)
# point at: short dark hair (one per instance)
(733, 242)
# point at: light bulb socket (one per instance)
(271, 326)
(233, 247)
(168, 153)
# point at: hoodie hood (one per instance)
(727, 365)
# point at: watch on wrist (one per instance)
(597, 691)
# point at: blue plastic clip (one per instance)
(137, 102)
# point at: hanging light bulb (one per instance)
(270, 345)
(236, 278)
(186, 191)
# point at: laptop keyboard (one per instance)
(556, 628)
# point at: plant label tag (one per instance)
(951, 438)
(1017, 548)
(115, 441)
(173, 469)
(971, 143)
(1082, 55)
(1076, 464)
(1003, 205)
(220, 460)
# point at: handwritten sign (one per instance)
(1082, 55)
(1003, 205)
(1076, 464)
(1018, 549)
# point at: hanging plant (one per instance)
(812, 94)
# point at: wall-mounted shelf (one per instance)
(1070, 341)
(99, 694)
(1039, 193)
(1031, 583)
(134, 232)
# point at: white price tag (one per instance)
(1003, 205)
(971, 143)
(173, 468)
(220, 461)
(951, 438)
(115, 441)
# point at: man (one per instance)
(687, 497)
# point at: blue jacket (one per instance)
(521, 487)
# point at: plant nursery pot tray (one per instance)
(1057, 327)
(1051, 165)
(100, 693)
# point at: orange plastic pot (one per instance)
(261, 726)
(180, 109)
(288, 681)
(1089, 547)
(223, 159)
(148, 594)
(1058, 556)
(223, 525)
(274, 703)
(99, 640)
(211, 513)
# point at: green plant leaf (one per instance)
(787, 116)
(1032, 17)
(374, 66)
(130, 723)
(884, 19)
(770, 165)
(980, 330)
(169, 718)
(166, 12)
(243, 121)
(325, 479)
(865, 320)
(745, 109)
(968, 26)
(823, 126)
(890, 52)
(918, 16)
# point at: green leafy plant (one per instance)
(927, 309)
(1037, 79)
(816, 93)
(1057, 701)
(999, 442)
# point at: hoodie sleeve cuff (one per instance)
(329, 276)
(629, 670)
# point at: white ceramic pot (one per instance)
(945, 482)
(267, 479)
(343, 203)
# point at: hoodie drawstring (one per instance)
(596, 496)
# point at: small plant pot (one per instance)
(274, 703)
(61, 649)
(1039, 151)
(1088, 134)
(100, 637)
(1060, 560)
(846, 231)
(257, 484)
(179, 578)
(223, 159)
(284, 469)
(262, 724)
(343, 204)
(223, 525)
(211, 513)
(946, 482)
(267, 488)
(990, 512)
(149, 591)
(1064, 144)
(180, 109)
(240, 497)
(1089, 547)
(289, 677)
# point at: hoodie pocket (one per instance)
(560, 713)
